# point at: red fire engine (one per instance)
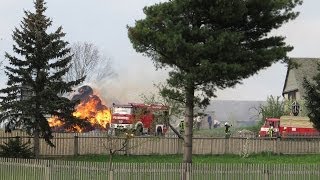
(288, 126)
(140, 118)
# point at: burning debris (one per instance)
(90, 108)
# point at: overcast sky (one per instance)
(103, 22)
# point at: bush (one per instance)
(274, 108)
(14, 148)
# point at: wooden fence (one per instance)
(21, 169)
(79, 144)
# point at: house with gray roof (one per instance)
(293, 89)
(299, 69)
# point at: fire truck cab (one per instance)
(270, 128)
(140, 118)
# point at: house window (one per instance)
(292, 95)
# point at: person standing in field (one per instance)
(210, 121)
(227, 130)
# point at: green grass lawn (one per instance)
(256, 159)
(220, 131)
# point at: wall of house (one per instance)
(298, 95)
(288, 106)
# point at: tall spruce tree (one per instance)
(210, 44)
(312, 98)
(35, 77)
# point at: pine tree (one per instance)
(15, 148)
(35, 77)
(210, 44)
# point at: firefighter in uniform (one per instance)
(227, 129)
(270, 131)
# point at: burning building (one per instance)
(90, 108)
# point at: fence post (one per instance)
(110, 175)
(188, 175)
(186, 171)
(76, 146)
(266, 174)
(47, 172)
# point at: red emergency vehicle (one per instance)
(140, 118)
(288, 126)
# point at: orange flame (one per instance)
(87, 110)
(54, 122)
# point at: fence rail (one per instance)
(79, 144)
(21, 169)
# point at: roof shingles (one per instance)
(306, 68)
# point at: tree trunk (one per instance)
(110, 159)
(187, 155)
(110, 164)
(36, 143)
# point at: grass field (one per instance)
(252, 159)
(220, 131)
